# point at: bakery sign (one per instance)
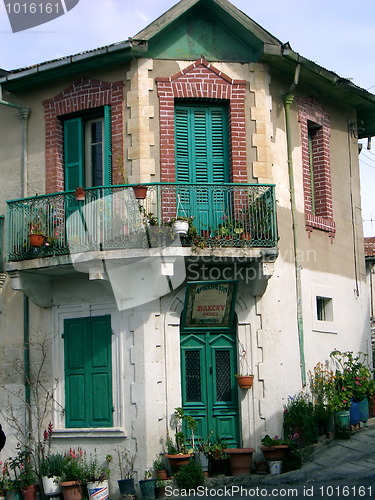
(209, 304)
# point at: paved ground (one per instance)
(349, 459)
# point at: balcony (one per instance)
(221, 216)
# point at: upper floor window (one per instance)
(315, 136)
(87, 149)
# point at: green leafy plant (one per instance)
(159, 464)
(190, 476)
(95, 472)
(299, 422)
(20, 471)
(53, 465)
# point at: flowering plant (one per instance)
(74, 468)
(352, 376)
(275, 441)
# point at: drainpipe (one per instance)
(24, 115)
(288, 99)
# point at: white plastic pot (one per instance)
(180, 227)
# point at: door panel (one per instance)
(209, 392)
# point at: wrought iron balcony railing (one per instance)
(105, 218)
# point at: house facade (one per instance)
(225, 126)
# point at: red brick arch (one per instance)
(202, 80)
(84, 94)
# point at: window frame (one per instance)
(119, 362)
(316, 165)
(78, 170)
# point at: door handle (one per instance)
(211, 371)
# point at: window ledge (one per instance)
(318, 222)
(97, 432)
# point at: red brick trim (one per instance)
(202, 80)
(309, 110)
(84, 94)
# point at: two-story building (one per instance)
(229, 128)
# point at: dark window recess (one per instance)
(223, 377)
(193, 376)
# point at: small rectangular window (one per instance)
(324, 309)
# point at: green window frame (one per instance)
(88, 372)
(76, 139)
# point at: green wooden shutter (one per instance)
(74, 153)
(88, 373)
(182, 141)
(107, 177)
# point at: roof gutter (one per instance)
(135, 46)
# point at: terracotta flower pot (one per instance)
(245, 381)
(31, 492)
(274, 453)
(179, 460)
(240, 460)
(140, 192)
(36, 240)
(72, 490)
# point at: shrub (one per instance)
(190, 476)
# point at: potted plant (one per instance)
(126, 466)
(51, 469)
(244, 378)
(181, 225)
(240, 460)
(159, 468)
(73, 475)
(274, 449)
(140, 192)
(25, 478)
(147, 486)
(178, 452)
(97, 477)
(51, 465)
(213, 449)
(189, 476)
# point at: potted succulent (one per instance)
(126, 467)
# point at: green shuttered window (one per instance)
(88, 151)
(88, 372)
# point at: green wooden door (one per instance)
(88, 371)
(209, 390)
(201, 138)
